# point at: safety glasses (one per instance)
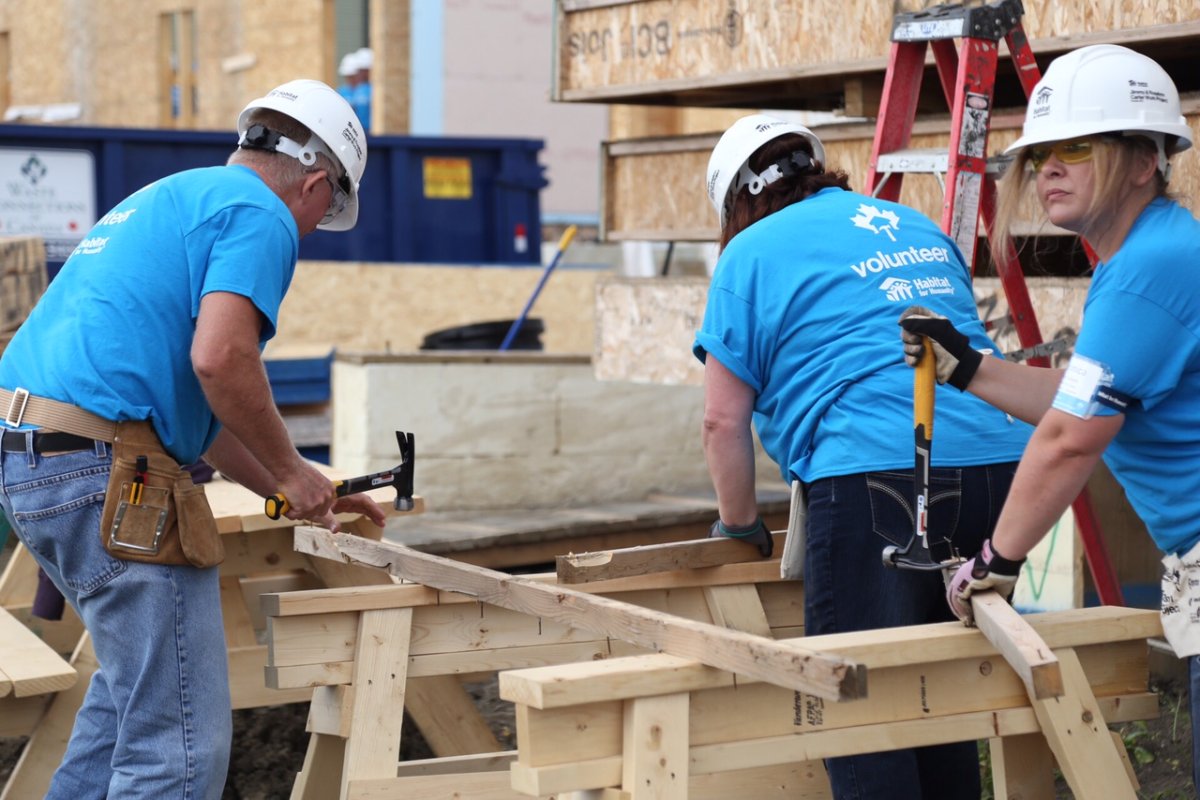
(339, 195)
(1070, 151)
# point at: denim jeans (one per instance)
(155, 722)
(851, 519)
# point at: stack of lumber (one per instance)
(23, 278)
(801, 55)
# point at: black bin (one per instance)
(486, 336)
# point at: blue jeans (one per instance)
(156, 721)
(851, 518)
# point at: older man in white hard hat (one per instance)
(144, 354)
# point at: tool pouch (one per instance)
(172, 522)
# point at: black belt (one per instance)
(14, 442)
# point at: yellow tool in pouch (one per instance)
(152, 511)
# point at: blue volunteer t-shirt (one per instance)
(1141, 335)
(113, 332)
(803, 308)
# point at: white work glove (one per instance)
(987, 570)
(956, 359)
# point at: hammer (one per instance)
(921, 553)
(399, 476)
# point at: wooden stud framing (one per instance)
(788, 664)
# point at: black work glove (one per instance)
(956, 359)
(755, 534)
(987, 570)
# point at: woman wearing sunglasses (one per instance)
(1099, 130)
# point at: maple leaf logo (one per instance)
(876, 221)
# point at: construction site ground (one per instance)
(269, 743)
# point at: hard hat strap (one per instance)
(260, 137)
(795, 163)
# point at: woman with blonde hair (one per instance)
(1100, 128)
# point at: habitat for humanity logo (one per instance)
(898, 289)
(876, 221)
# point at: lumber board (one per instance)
(1022, 766)
(467, 786)
(452, 723)
(786, 663)
(373, 747)
(551, 687)
(458, 765)
(48, 742)
(320, 776)
(1020, 645)
(606, 771)
(29, 666)
(575, 568)
(655, 741)
(1077, 731)
(723, 714)
(362, 598)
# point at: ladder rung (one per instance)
(991, 21)
(929, 161)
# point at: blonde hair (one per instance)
(1113, 159)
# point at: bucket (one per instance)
(486, 336)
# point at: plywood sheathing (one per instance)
(392, 71)
(623, 51)
(653, 189)
(391, 307)
(105, 56)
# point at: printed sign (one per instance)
(48, 193)
(448, 178)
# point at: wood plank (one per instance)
(19, 716)
(649, 559)
(447, 717)
(498, 761)
(720, 715)
(1075, 727)
(329, 711)
(48, 743)
(785, 663)
(467, 786)
(320, 778)
(656, 748)
(361, 598)
(1022, 766)
(626, 678)
(605, 771)
(28, 666)
(1020, 645)
(380, 675)
(738, 608)
(247, 688)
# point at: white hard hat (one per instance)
(348, 65)
(336, 132)
(728, 166)
(366, 58)
(1105, 88)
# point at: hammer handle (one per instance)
(277, 505)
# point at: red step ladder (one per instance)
(968, 78)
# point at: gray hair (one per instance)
(280, 170)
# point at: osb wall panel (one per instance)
(105, 56)
(654, 189)
(43, 65)
(391, 307)
(626, 48)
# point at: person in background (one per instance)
(365, 60)
(798, 344)
(1098, 133)
(142, 355)
(348, 72)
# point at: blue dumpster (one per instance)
(454, 200)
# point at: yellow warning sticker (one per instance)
(448, 178)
